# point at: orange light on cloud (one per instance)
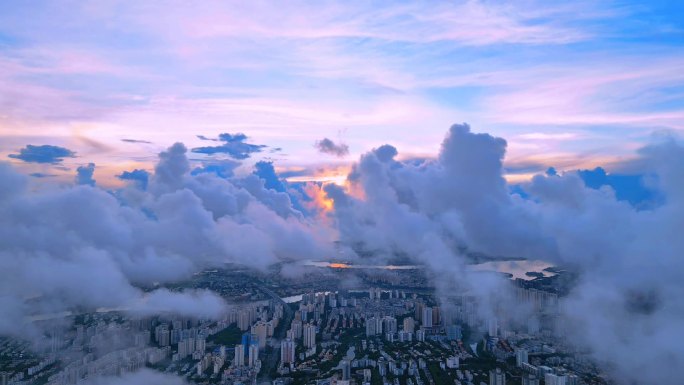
(319, 199)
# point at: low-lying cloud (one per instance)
(141, 377)
(84, 247)
(629, 258)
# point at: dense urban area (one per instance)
(326, 326)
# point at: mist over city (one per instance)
(341, 193)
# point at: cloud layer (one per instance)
(84, 247)
(628, 258)
(142, 377)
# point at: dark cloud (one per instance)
(202, 137)
(234, 145)
(327, 146)
(84, 174)
(140, 177)
(136, 141)
(43, 154)
(42, 175)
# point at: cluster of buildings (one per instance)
(108, 344)
(395, 335)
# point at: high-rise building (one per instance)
(493, 327)
(427, 317)
(243, 320)
(389, 324)
(287, 352)
(246, 339)
(373, 326)
(553, 379)
(164, 338)
(260, 329)
(405, 336)
(409, 325)
(239, 359)
(389, 337)
(436, 316)
(346, 369)
(218, 364)
(296, 328)
(419, 306)
(520, 357)
(309, 333)
(253, 355)
(530, 379)
(420, 335)
(497, 377)
(200, 344)
(374, 293)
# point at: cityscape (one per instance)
(329, 192)
(394, 332)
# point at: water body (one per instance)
(342, 265)
(516, 269)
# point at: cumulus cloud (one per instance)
(84, 174)
(87, 247)
(234, 145)
(628, 258)
(43, 154)
(82, 246)
(140, 177)
(327, 146)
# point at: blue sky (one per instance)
(569, 85)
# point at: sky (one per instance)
(572, 86)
